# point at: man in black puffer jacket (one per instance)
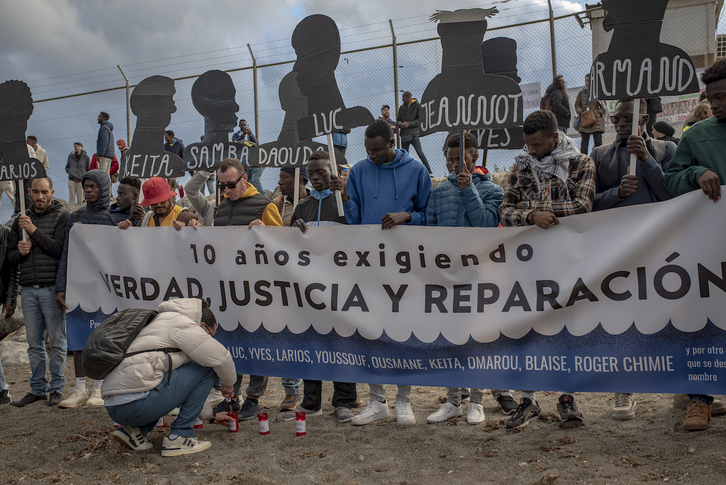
(96, 188)
(37, 260)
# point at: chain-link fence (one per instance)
(365, 78)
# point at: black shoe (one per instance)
(55, 398)
(249, 409)
(5, 397)
(507, 404)
(526, 412)
(28, 399)
(227, 406)
(570, 417)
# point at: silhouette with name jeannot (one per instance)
(316, 41)
(463, 96)
(16, 106)
(152, 101)
(637, 64)
(213, 96)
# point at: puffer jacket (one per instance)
(96, 213)
(410, 113)
(105, 146)
(176, 326)
(475, 206)
(40, 266)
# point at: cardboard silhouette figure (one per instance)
(499, 57)
(152, 101)
(289, 150)
(16, 106)
(316, 41)
(213, 95)
(463, 96)
(637, 64)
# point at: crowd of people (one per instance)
(551, 178)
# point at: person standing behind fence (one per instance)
(104, 143)
(76, 167)
(40, 154)
(560, 102)
(246, 137)
(407, 120)
(596, 129)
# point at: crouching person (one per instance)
(149, 384)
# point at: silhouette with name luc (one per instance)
(16, 106)
(152, 101)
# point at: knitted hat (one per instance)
(122, 142)
(303, 172)
(664, 128)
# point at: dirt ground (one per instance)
(39, 444)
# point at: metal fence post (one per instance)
(254, 83)
(395, 78)
(128, 107)
(552, 39)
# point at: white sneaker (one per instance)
(95, 399)
(624, 408)
(78, 398)
(373, 411)
(404, 414)
(475, 413)
(215, 397)
(183, 446)
(446, 411)
(132, 438)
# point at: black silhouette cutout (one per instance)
(213, 95)
(316, 41)
(152, 101)
(463, 96)
(637, 64)
(16, 106)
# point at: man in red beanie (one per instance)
(162, 201)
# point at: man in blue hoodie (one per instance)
(387, 188)
(105, 147)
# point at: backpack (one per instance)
(107, 345)
(545, 103)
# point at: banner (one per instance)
(627, 300)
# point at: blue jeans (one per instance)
(292, 386)
(585, 141)
(416, 142)
(189, 387)
(3, 384)
(704, 398)
(41, 314)
(254, 177)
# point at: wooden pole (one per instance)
(296, 195)
(636, 125)
(334, 167)
(21, 194)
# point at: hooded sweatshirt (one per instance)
(376, 190)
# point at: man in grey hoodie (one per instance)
(77, 165)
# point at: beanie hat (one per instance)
(122, 142)
(303, 172)
(664, 128)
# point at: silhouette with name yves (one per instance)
(16, 106)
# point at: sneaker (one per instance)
(132, 438)
(526, 412)
(290, 415)
(289, 403)
(446, 411)
(55, 398)
(95, 399)
(227, 406)
(475, 413)
(198, 424)
(624, 408)
(344, 414)
(5, 397)
(404, 413)
(570, 417)
(28, 399)
(78, 398)
(697, 416)
(508, 405)
(249, 409)
(183, 446)
(373, 411)
(680, 401)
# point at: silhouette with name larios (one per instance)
(16, 106)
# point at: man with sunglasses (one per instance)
(615, 186)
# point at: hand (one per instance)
(254, 223)
(178, 224)
(195, 223)
(636, 146)
(628, 186)
(136, 212)
(125, 224)
(185, 216)
(709, 182)
(227, 391)
(545, 219)
(336, 183)
(9, 310)
(24, 247)
(464, 179)
(299, 223)
(404, 125)
(25, 223)
(60, 300)
(222, 418)
(393, 219)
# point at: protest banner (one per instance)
(624, 300)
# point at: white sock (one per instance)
(173, 436)
(529, 395)
(81, 383)
(98, 384)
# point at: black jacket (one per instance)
(560, 105)
(409, 113)
(8, 273)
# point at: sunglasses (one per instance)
(230, 185)
(616, 118)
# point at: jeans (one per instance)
(189, 387)
(585, 141)
(254, 177)
(377, 392)
(255, 389)
(344, 395)
(704, 398)
(292, 386)
(3, 384)
(41, 314)
(416, 142)
(453, 395)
